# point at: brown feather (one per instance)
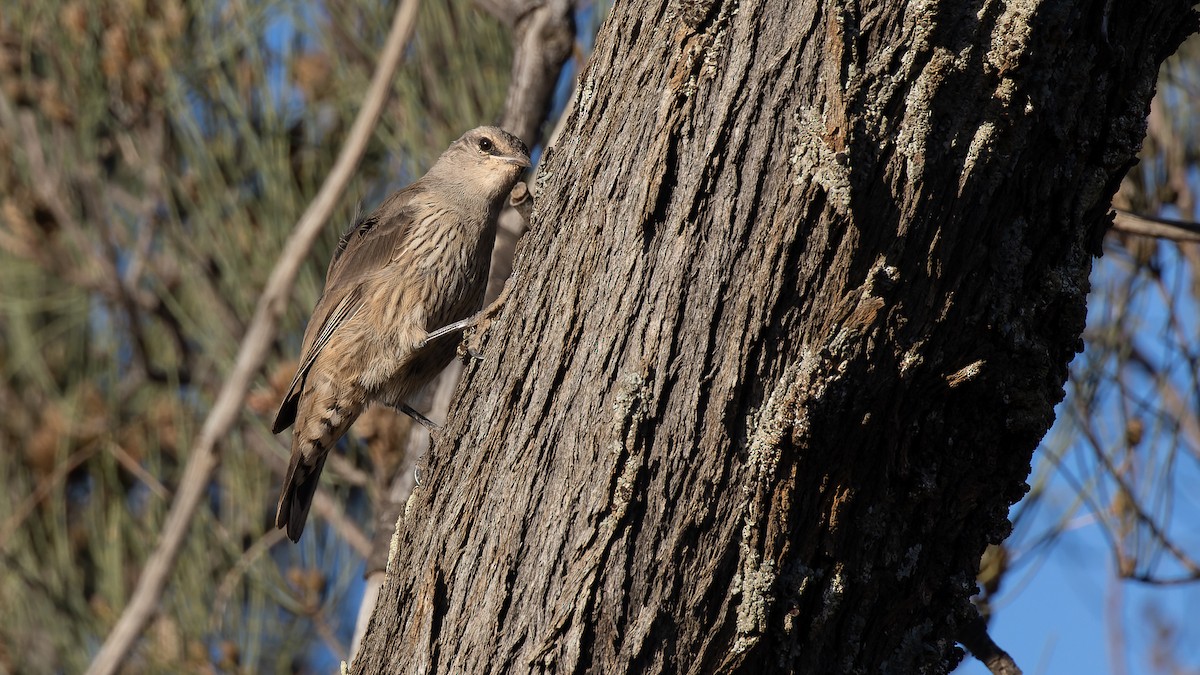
(416, 263)
(365, 247)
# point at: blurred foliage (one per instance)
(160, 154)
(1124, 454)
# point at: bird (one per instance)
(417, 263)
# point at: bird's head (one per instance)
(487, 161)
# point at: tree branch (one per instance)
(263, 327)
(542, 40)
(975, 638)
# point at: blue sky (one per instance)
(1063, 610)
(1056, 617)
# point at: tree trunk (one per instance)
(795, 309)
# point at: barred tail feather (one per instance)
(295, 498)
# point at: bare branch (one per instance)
(508, 12)
(233, 576)
(542, 34)
(132, 466)
(1136, 509)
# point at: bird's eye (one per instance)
(485, 144)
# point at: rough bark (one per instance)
(795, 308)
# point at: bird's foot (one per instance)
(470, 348)
(446, 330)
(480, 322)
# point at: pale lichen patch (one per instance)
(587, 92)
(816, 161)
(753, 582)
(912, 359)
(627, 412)
(835, 592)
(977, 152)
(394, 542)
(756, 577)
(630, 390)
(965, 374)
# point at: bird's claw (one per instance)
(471, 346)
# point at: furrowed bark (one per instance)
(795, 308)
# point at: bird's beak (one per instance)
(515, 159)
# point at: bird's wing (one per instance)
(365, 248)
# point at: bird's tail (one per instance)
(299, 486)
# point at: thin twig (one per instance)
(263, 327)
(329, 636)
(1148, 226)
(134, 467)
(1135, 506)
(347, 472)
(27, 506)
(331, 510)
(229, 583)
